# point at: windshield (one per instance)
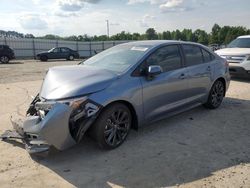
(51, 50)
(117, 59)
(240, 43)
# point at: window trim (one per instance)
(137, 73)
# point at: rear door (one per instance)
(167, 90)
(65, 52)
(199, 71)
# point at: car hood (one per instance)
(43, 52)
(233, 51)
(73, 81)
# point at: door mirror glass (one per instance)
(154, 70)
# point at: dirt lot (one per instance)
(199, 148)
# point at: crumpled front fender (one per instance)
(54, 128)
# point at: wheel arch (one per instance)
(42, 56)
(224, 83)
(7, 55)
(132, 110)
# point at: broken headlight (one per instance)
(81, 107)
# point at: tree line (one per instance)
(218, 35)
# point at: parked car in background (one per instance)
(58, 53)
(6, 54)
(237, 54)
(124, 87)
(214, 47)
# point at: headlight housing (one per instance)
(80, 107)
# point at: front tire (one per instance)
(44, 58)
(216, 95)
(112, 126)
(4, 59)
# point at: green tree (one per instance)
(166, 35)
(151, 34)
(201, 36)
(215, 34)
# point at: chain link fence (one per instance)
(28, 48)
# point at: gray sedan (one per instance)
(124, 87)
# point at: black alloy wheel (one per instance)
(216, 95)
(112, 126)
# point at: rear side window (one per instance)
(64, 49)
(167, 57)
(193, 55)
(207, 57)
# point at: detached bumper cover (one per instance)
(38, 134)
(18, 133)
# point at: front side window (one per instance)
(167, 57)
(193, 55)
(56, 50)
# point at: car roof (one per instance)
(154, 43)
(244, 36)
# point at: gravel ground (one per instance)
(198, 148)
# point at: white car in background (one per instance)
(237, 54)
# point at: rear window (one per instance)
(206, 56)
(193, 55)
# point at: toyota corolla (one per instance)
(121, 88)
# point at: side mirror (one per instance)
(154, 70)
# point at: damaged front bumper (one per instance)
(62, 126)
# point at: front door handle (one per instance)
(182, 76)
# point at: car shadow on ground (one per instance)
(239, 79)
(12, 63)
(58, 60)
(181, 149)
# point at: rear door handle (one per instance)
(182, 76)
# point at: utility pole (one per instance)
(107, 28)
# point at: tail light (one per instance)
(226, 63)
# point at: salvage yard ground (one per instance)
(198, 148)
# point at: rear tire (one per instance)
(71, 58)
(216, 95)
(112, 126)
(4, 59)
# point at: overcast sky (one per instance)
(75, 17)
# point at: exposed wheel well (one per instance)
(132, 110)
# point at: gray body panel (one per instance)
(54, 128)
(164, 93)
(73, 81)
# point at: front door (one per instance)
(165, 91)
